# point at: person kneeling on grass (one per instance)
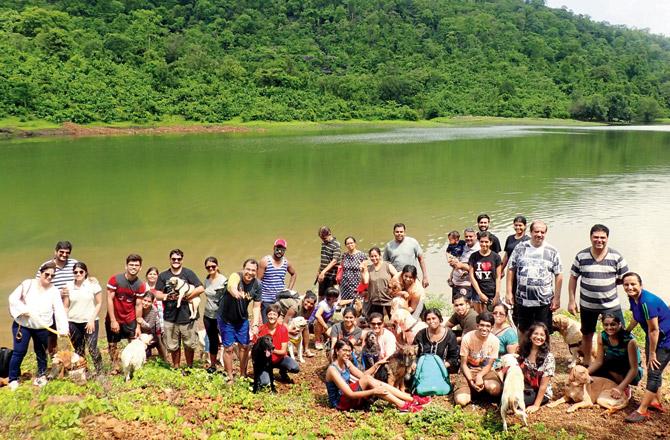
(350, 388)
(279, 333)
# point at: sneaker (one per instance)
(656, 406)
(410, 407)
(211, 370)
(318, 346)
(40, 381)
(286, 380)
(423, 401)
(637, 417)
(13, 385)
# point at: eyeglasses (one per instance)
(79, 272)
(175, 259)
(48, 274)
(499, 313)
(375, 324)
(210, 267)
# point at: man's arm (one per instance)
(572, 297)
(558, 284)
(138, 316)
(261, 268)
(256, 316)
(424, 273)
(110, 310)
(294, 276)
(511, 273)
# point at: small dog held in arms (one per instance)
(134, 355)
(512, 395)
(585, 391)
(297, 324)
(261, 357)
(571, 333)
(184, 289)
(401, 365)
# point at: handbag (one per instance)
(5, 357)
(340, 273)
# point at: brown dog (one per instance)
(68, 363)
(401, 365)
(585, 391)
(571, 333)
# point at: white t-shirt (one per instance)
(82, 301)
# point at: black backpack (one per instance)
(5, 356)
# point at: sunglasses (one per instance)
(176, 259)
(79, 272)
(210, 267)
(64, 252)
(48, 274)
(375, 324)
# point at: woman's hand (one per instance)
(654, 364)
(380, 391)
(90, 326)
(616, 393)
(483, 298)
(531, 409)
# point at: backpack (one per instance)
(5, 356)
(431, 377)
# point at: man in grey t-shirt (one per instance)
(403, 250)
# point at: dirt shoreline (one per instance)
(76, 130)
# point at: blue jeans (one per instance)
(286, 365)
(40, 340)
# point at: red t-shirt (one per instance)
(280, 337)
(126, 294)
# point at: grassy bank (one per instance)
(15, 127)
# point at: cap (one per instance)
(280, 242)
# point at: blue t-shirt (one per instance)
(651, 306)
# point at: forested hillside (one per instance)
(213, 60)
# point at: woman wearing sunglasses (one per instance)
(214, 285)
(33, 305)
(83, 304)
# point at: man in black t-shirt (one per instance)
(178, 325)
(485, 271)
(484, 223)
(243, 288)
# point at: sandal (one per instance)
(656, 406)
(309, 354)
(637, 417)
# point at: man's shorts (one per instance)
(126, 331)
(180, 333)
(231, 333)
(590, 317)
(464, 386)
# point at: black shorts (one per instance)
(126, 331)
(527, 316)
(590, 317)
(325, 285)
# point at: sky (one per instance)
(640, 14)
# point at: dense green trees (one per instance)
(212, 60)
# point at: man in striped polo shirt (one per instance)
(272, 275)
(600, 269)
(64, 274)
(330, 259)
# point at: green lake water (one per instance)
(232, 195)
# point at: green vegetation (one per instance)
(315, 60)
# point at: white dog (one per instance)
(184, 289)
(512, 395)
(295, 342)
(135, 355)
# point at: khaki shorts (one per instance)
(180, 333)
(464, 387)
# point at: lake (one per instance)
(232, 195)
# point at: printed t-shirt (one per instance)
(477, 352)
(485, 270)
(126, 294)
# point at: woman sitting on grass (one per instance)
(618, 357)
(538, 366)
(350, 388)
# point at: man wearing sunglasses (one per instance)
(179, 327)
(271, 273)
(62, 275)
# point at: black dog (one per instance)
(261, 356)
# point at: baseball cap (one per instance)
(280, 242)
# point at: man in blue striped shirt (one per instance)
(272, 272)
(600, 269)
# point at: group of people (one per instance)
(377, 295)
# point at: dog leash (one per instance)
(19, 334)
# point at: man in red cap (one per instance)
(272, 275)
